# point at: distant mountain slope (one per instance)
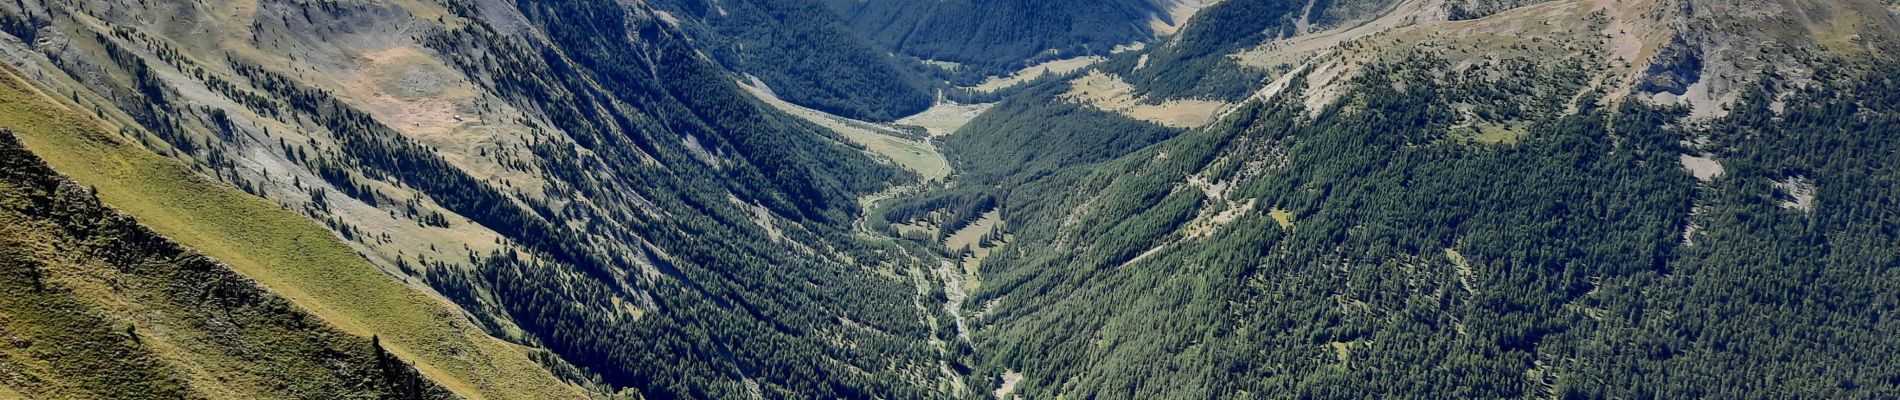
(996, 36)
(882, 60)
(807, 55)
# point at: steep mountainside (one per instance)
(98, 306)
(576, 175)
(290, 254)
(1571, 199)
(880, 199)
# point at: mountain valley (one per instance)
(949, 199)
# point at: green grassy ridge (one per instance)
(86, 279)
(59, 347)
(284, 251)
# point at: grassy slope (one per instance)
(56, 346)
(286, 252)
(101, 307)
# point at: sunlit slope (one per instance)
(286, 252)
(98, 306)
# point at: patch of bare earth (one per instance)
(1178, 13)
(1705, 169)
(1797, 193)
(1010, 379)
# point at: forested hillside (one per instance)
(808, 56)
(990, 37)
(1459, 214)
(577, 176)
(882, 60)
(971, 199)
(1382, 256)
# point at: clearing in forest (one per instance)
(1110, 93)
(945, 117)
(1056, 67)
(913, 154)
(1284, 217)
(972, 237)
